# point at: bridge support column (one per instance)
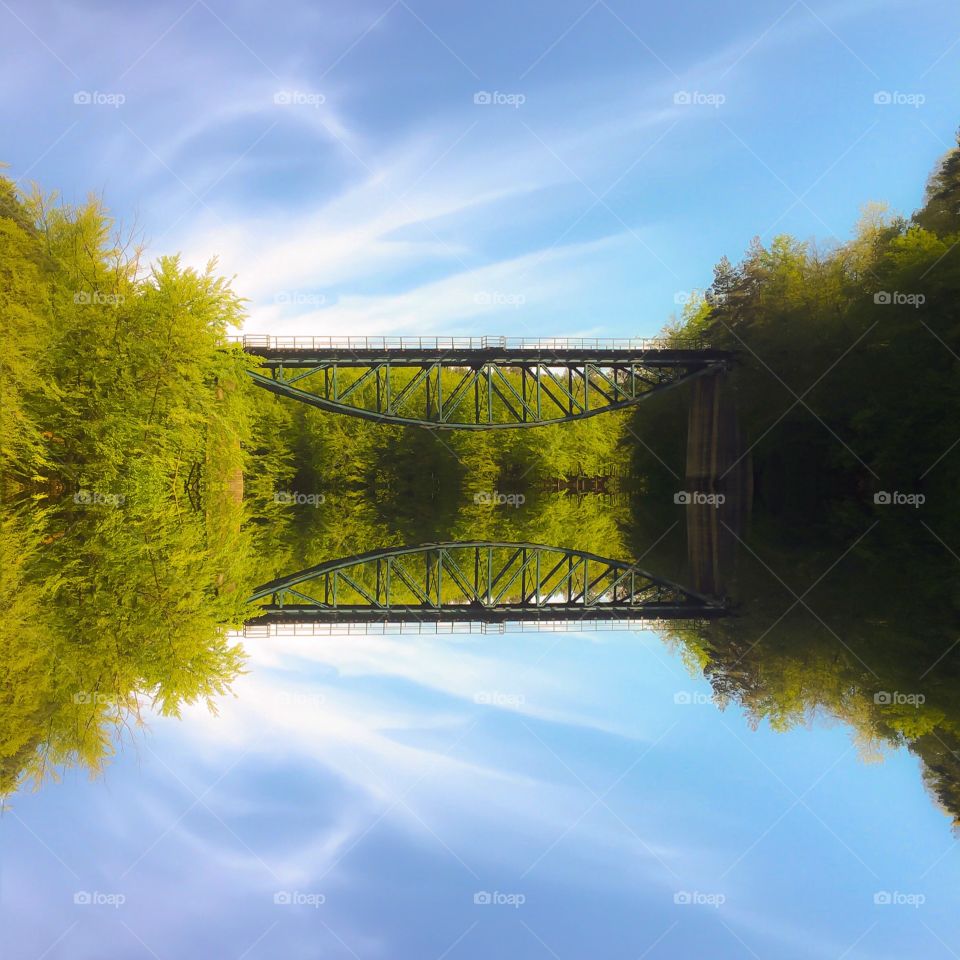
(719, 470)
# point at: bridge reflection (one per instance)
(441, 587)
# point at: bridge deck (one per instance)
(472, 351)
(315, 628)
(466, 613)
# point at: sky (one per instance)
(380, 784)
(572, 168)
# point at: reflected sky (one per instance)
(358, 795)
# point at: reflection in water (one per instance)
(115, 610)
(480, 581)
(718, 485)
(323, 718)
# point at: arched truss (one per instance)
(488, 581)
(474, 384)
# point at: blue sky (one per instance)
(377, 196)
(397, 777)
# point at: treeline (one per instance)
(399, 464)
(111, 611)
(124, 430)
(872, 644)
(110, 372)
(848, 378)
(848, 388)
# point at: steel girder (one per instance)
(478, 389)
(489, 581)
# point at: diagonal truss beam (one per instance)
(509, 391)
(477, 580)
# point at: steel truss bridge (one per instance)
(474, 383)
(478, 581)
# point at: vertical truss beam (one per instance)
(478, 578)
(507, 393)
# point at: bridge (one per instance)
(477, 581)
(474, 383)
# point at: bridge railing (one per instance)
(256, 631)
(259, 341)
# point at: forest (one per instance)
(847, 377)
